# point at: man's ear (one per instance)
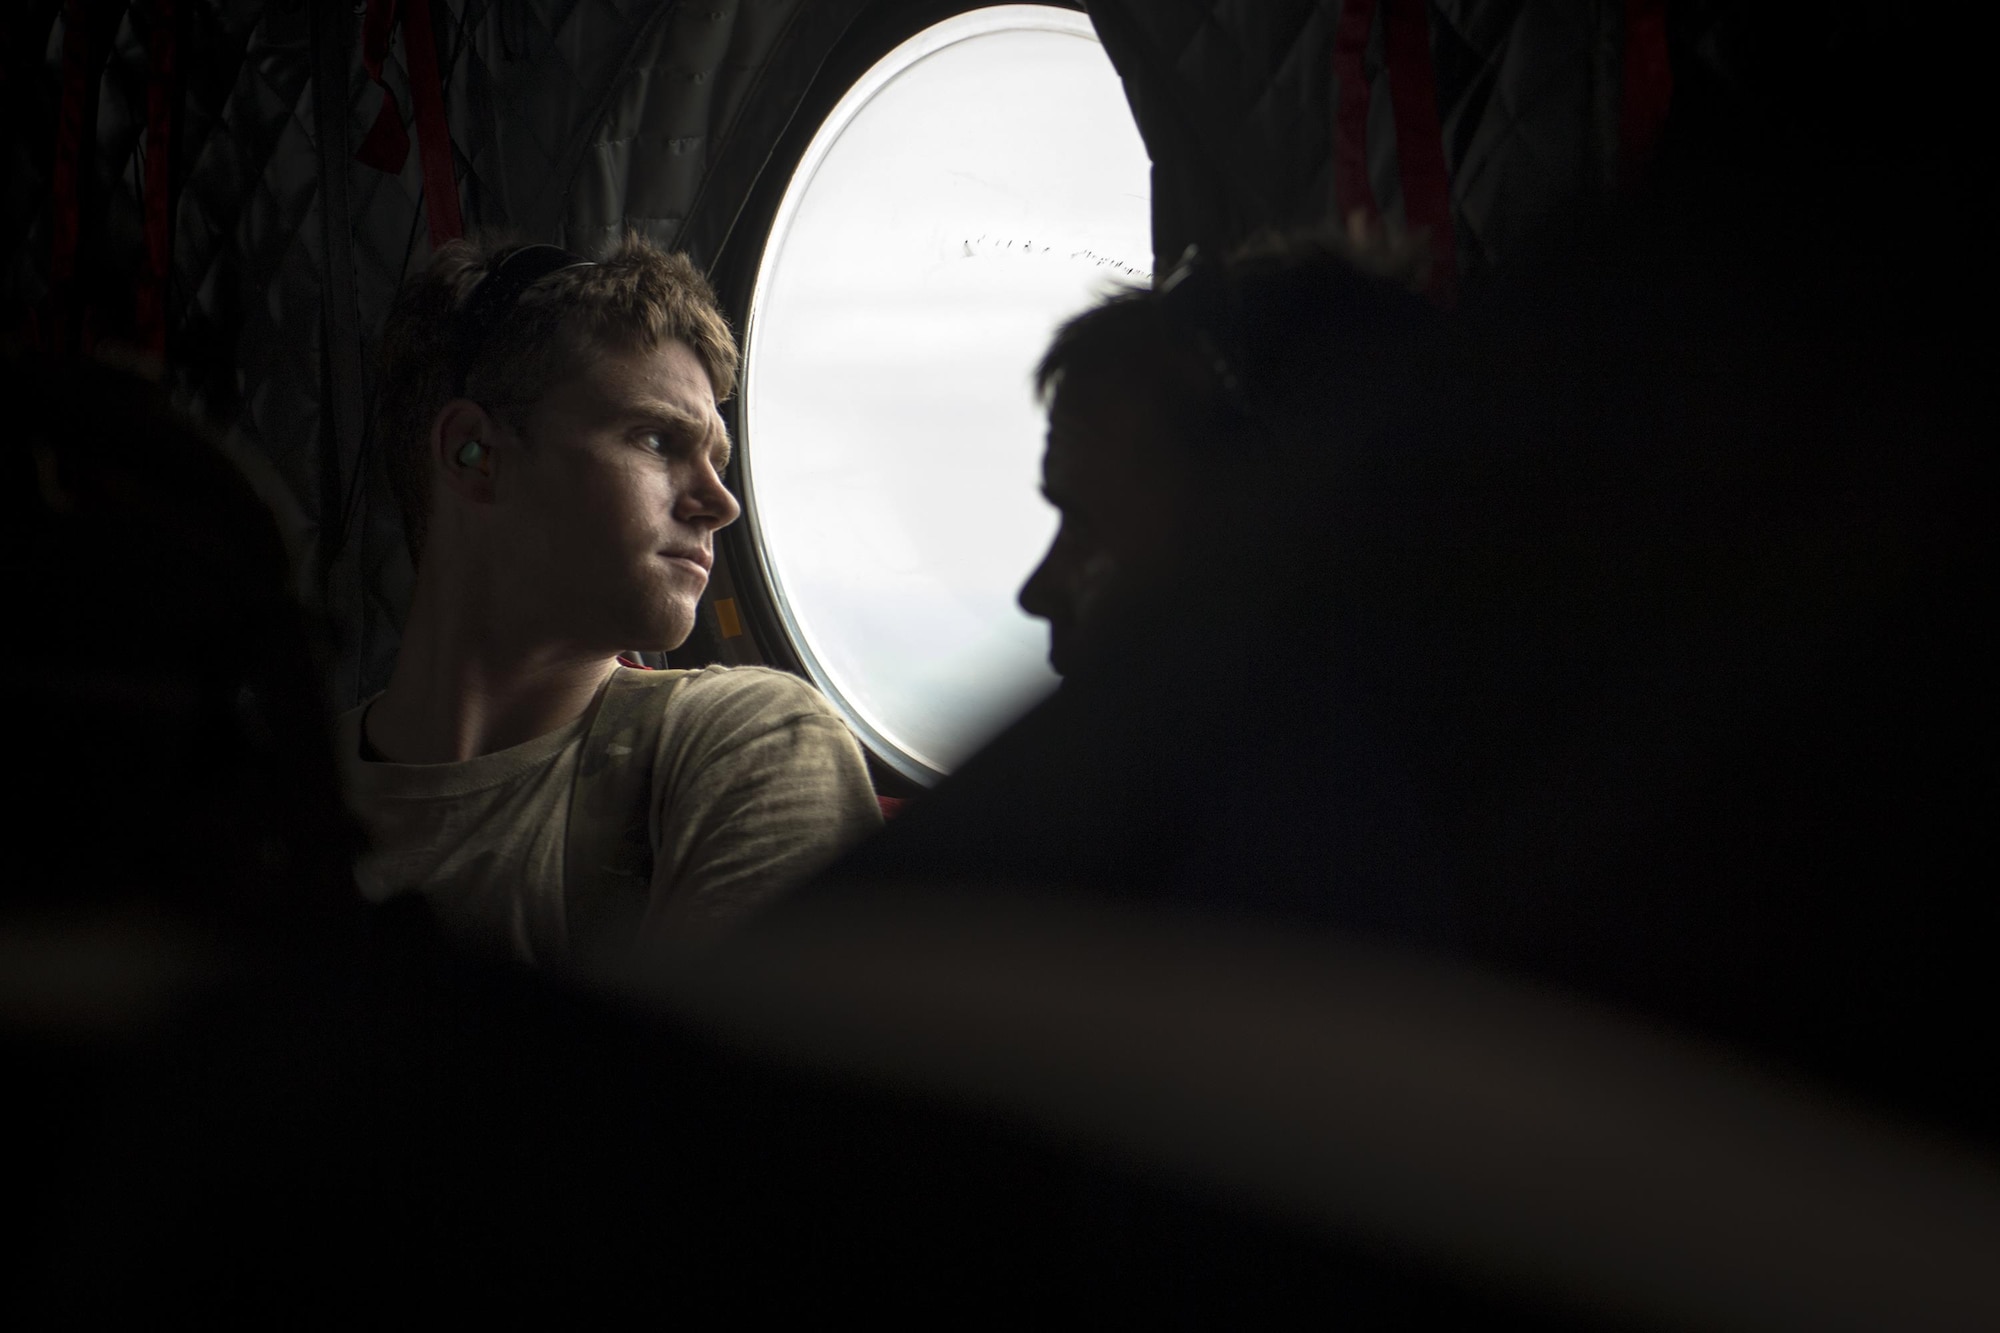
(462, 450)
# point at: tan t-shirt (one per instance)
(755, 784)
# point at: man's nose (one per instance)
(1034, 596)
(709, 501)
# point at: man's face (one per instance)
(1124, 490)
(608, 503)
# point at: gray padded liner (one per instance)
(575, 119)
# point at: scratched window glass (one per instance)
(978, 186)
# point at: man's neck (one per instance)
(463, 688)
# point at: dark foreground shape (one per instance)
(947, 1106)
(351, 1132)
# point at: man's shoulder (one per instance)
(734, 692)
(711, 714)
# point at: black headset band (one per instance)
(496, 296)
(1204, 305)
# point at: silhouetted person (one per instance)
(1194, 432)
(1631, 651)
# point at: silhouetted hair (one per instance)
(1318, 329)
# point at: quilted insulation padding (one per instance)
(570, 119)
(1528, 96)
(1236, 100)
(244, 164)
(573, 119)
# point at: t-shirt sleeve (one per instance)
(764, 785)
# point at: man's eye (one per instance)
(655, 441)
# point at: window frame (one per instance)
(743, 574)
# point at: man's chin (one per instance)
(661, 636)
(1061, 653)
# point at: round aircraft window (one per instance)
(977, 186)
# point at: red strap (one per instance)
(433, 134)
(1351, 190)
(152, 295)
(72, 129)
(1648, 85)
(1419, 136)
(387, 145)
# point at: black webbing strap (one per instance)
(495, 298)
(332, 32)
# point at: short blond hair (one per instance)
(639, 296)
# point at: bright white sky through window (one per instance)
(979, 185)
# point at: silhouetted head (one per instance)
(161, 675)
(1190, 417)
